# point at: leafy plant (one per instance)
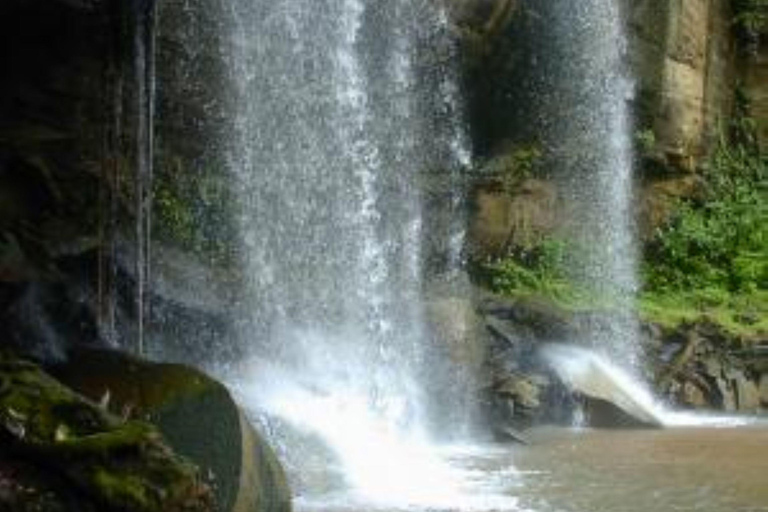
(516, 165)
(751, 15)
(645, 140)
(721, 241)
(542, 270)
(750, 18)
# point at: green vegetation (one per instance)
(193, 213)
(739, 314)
(118, 464)
(750, 16)
(645, 141)
(515, 166)
(709, 261)
(542, 271)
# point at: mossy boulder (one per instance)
(73, 450)
(197, 416)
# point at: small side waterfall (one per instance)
(581, 86)
(598, 159)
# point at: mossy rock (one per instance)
(25, 487)
(117, 465)
(197, 416)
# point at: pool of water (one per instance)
(566, 470)
(705, 470)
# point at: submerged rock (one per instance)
(764, 390)
(197, 416)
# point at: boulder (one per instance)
(197, 416)
(51, 435)
(692, 396)
(25, 487)
(518, 403)
(747, 393)
(545, 320)
(764, 390)
(522, 389)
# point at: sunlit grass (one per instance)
(744, 314)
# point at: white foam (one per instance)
(573, 363)
(387, 463)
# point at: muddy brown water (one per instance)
(702, 470)
(567, 470)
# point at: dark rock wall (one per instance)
(69, 154)
(59, 60)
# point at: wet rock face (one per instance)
(503, 218)
(696, 366)
(54, 112)
(520, 389)
(684, 56)
(702, 367)
(68, 117)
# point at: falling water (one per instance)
(602, 378)
(339, 107)
(144, 76)
(584, 92)
(602, 158)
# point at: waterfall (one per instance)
(338, 109)
(583, 92)
(602, 153)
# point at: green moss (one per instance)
(543, 272)
(124, 489)
(515, 165)
(645, 142)
(124, 465)
(192, 209)
(750, 16)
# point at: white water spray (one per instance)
(582, 90)
(334, 121)
(588, 372)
